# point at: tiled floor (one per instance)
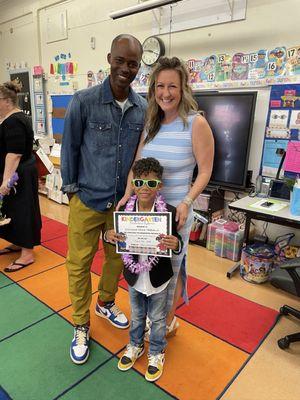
(218, 333)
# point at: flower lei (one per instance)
(10, 185)
(138, 267)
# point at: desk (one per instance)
(281, 217)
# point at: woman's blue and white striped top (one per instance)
(172, 147)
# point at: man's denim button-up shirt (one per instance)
(99, 144)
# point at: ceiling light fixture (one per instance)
(145, 6)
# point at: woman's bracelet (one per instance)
(105, 237)
(188, 201)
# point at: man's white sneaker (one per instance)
(79, 350)
(113, 314)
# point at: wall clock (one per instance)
(153, 48)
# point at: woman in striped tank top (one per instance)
(179, 139)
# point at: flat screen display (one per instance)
(279, 190)
(230, 116)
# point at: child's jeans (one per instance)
(155, 307)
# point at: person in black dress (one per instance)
(22, 204)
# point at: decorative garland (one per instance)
(147, 265)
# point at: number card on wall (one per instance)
(276, 62)
(258, 64)
(293, 60)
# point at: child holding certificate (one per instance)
(147, 276)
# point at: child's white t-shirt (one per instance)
(143, 283)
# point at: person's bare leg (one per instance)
(177, 295)
(25, 258)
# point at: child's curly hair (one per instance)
(146, 166)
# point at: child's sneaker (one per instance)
(130, 356)
(79, 350)
(155, 367)
(113, 314)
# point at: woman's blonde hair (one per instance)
(155, 114)
(10, 90)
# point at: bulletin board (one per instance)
(282, 132)
(59, 107)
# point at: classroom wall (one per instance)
(268, 23)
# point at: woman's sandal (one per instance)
(19, 265)
(8, 250)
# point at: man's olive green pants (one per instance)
(84, 230)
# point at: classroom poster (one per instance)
(282, 130)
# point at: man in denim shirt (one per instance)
(102, 129)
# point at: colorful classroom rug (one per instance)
(219, 332)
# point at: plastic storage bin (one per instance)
(211, 232)
(194, 235)
(257, 262)
(228, 243)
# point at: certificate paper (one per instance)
(143, 232)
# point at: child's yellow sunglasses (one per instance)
(151, 183)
